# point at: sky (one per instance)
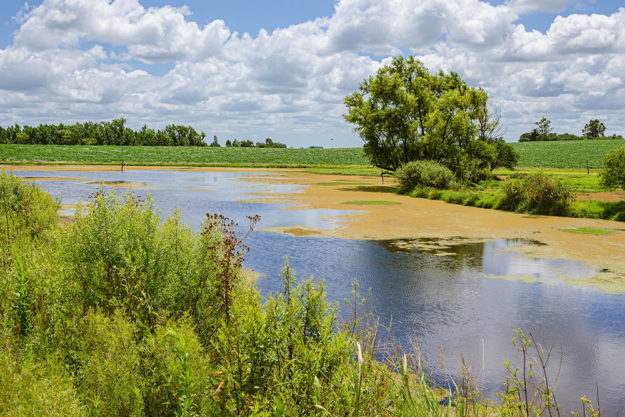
(252, 69)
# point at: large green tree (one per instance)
(405, 113)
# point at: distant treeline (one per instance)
(103, 133)
(116, 133)
(536, 137)
(268, 143)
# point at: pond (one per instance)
(447, 299)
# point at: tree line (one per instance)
(114, 132)
(248, 143)
(594, 129)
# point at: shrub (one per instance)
(120, 255)
(538, 194)
(109, 378)
(25, 209)
(505, 155)
(547, 195)
(513, 190)
(425, 174)
(178, 376)
(613, 173)
(31, 387)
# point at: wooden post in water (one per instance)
(122, 166)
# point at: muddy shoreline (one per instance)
(415, 218)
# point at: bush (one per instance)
(537, 194)
(31, 387)
(26, 209)
(513, 190)
(613, 173)
(505, 155)
(425, 174)
(121, 256)
(110, 379)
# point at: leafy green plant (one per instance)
(25, 209)
(425, 174)
(537, 193)
(110, 377)
(613, 173)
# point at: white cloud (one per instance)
(528, 6)
(76, 60)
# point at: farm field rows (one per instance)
(569, 154)
(179, 155)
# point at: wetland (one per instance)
(451, 279)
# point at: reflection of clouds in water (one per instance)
(500, 260)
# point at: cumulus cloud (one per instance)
(76, 60)
(528, 6)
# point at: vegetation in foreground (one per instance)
(122, 314)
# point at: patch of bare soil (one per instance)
(611, 196)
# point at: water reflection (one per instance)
(439, 293)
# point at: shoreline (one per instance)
(405, 217)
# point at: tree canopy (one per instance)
(594, 129)
(405, 113)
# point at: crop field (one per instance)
(564, 154)
(179, 155)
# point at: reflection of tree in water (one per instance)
(450, 255)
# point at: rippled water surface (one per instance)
(446, 304)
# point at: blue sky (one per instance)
(281, 68)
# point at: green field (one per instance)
(569, 154)
(565, 154)
(182, 155)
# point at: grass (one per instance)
(589, 231)
(370, 202)
(578, 180)
(487, 194)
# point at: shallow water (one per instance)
(442, 299)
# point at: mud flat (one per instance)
(414, 218)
